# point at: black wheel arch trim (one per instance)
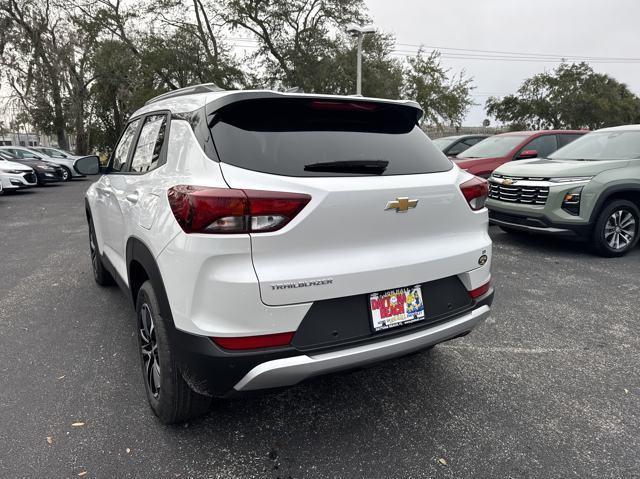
(137, 251)
(608, 193)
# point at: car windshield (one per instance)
(493, 146)
(25, 154)
(53, 153)
(442, 143)
(602, 145)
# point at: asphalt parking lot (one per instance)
(548, 387)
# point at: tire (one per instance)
(100, 273)
(169, 396)
(513, 231)
(616, 230)
(66, 174)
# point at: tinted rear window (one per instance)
(283, 137)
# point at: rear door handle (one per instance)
(133, 197)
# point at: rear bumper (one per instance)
(213, 371)
(292, 370)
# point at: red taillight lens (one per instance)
(200, 209)
(482, 290)
(254, 342)
(271, 210)
(476, 191)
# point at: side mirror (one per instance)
(528, 154)
(88, 165)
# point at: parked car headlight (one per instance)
(570, 179)
(571, 201)
(15, 172)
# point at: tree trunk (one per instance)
(59, 122)
(82, 143)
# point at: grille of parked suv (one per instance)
(30, 177)
(515, 193)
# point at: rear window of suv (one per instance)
(318, 137)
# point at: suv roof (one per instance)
(541, 132)
(621, 128)
(194, 97)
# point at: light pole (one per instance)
(360, 32)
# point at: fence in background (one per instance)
(439, 132)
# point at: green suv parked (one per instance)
(590, 190)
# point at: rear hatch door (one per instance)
(368, 227)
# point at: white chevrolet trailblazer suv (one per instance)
(266, 238)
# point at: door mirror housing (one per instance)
(528, 154)
(88, 165)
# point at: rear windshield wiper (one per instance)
(350, 166)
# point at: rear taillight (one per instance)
(481, 291)
(476, 191)
(200, 209)
(254, 342)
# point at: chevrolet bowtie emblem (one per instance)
(401, 205)
(508, 182)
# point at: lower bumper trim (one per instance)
(292, 370)
(534, 229)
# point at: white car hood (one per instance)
(11, 165)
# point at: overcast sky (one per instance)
(587, 28)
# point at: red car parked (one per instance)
(484, 157)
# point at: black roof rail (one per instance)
(190, 90)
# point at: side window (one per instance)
(544, 145)
(457, 149)
(149, 146)
(564, 140)
(121, 154)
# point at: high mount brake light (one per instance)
(201, 209)
(343, 106)
(475, 191)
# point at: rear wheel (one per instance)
(170, 397)
(100, 274)
(616, 230)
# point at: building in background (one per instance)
(25, 139)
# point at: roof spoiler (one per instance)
(190, 90)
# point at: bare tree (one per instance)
(30, 52)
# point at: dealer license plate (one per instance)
(396, 307)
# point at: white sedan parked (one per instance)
(14, 176)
